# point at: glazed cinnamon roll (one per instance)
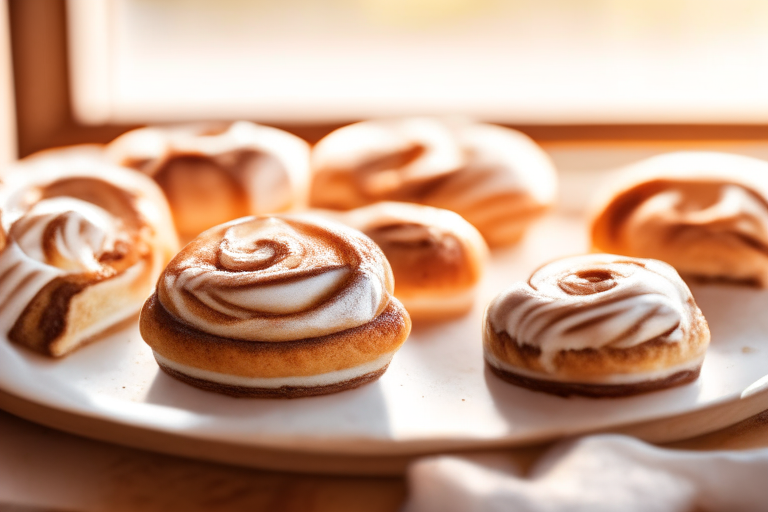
(276, 307)
(85, 242)
(597, 325)
(704, 213)
(215, 172)
(496, 178)
(437, 257)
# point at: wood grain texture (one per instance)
(43, 467)
(48, 469)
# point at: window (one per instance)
(515, 61)
(7, 124)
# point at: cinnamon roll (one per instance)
(215, 172)
(437, 257)
(496, 178)
(84, 243)
(276, 306)
(596, 325)
(706, 214)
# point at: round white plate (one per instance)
(436, 395)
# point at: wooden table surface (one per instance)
(44, 468)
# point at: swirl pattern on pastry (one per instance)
(215, 172)
(68, 234)
(494, 177)
(613, 303)
(436, 256)
(704, 213)
(276, 306)
(277, 279)
(597, 318)
(85, 242)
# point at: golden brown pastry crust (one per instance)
(494, 177)
(303, 357)
(215, 172)
(281, 392)
(274, 306)
(436, 256)
(704, 213)
(86, 241)
(566, 389)
(596, 325)
(580, 366)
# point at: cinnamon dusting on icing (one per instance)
(277, 279)
(77, 229)
(587, 282)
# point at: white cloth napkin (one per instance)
(593, 474)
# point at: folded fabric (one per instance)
(594, 474)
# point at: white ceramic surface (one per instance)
(436, 395)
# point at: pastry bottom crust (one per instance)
(184, 345)
(566, 389)
(281, 392)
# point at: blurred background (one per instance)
(560, 70)
(599, 83)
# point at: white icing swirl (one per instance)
(594, 301)
(494, 177)
(277, 279)
(57, 237)
(230, 169)
(76, 223)
(66, 233)
(393, 159)
(724, 214)
(704, 213)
